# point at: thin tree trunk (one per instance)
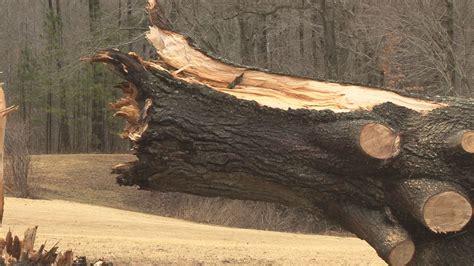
(246, 54)
(63, 130)
(316, 41)
(262, 43)
(119, 13)
(301, 32)
(329, 41)
(129, 21)
(49, 96)
(98, 140)
(451, 48)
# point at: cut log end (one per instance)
(379, 141)
(391, 241)
(402, 253)
(447, 212)
(467, 141)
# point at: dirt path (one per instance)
(130, 238)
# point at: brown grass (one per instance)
(86, 178)
(133, 238)
(17, 161)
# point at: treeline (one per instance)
(63, 101)
(421, 46)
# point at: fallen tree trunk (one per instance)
(394, 169)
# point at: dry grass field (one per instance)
(79, 205)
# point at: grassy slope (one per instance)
(131, 238)
(86, 178)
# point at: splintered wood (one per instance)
(20, 252)
(128, 109)
(268, 89)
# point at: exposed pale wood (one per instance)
(127, 108)
(462, 142)
(18, 252)
(402, 253)
(29, 240)
(447, 212)
(440, 206)
(391, 241)
(467, 141)
(379, 141)
(366, 138)
(269, 89)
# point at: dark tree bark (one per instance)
(129, 22)
(349, 150)
(64, 142)
(49, 95)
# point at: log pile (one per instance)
(395, 169)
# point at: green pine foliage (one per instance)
(63, 101)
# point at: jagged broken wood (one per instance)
(15, 252)
(350, 150)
